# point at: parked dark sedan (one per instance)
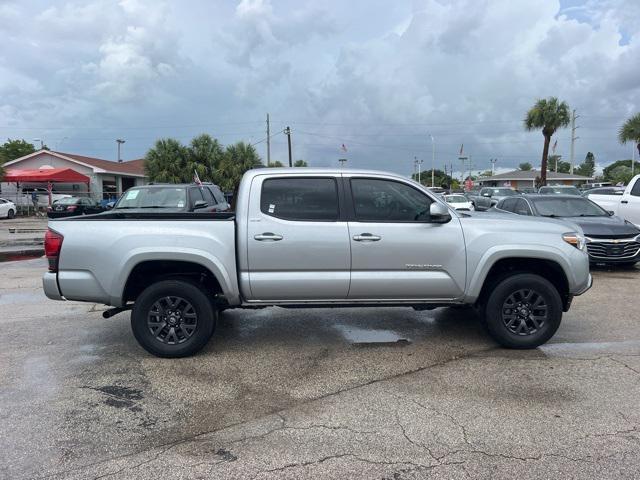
(610, 239)
(71, 206)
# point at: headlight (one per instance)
(575, 239)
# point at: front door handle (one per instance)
(624, 201)
(267, 237)
(367, 237)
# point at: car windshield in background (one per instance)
(503, 192)
(456, 199)
(155, 197)
(559, 191)
(67, 201)
(568, 207)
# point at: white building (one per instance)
(520, 179)
(108, 179)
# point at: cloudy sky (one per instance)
(379, 76)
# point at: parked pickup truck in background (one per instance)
(317, 238)
(626, 206)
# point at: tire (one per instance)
(519, 327)
(173, 318)
(11, 214)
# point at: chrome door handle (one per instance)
(366, 237)
(624, 201)
(267, 237)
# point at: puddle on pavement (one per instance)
(20, 255)
(625, 347)
(362, 337)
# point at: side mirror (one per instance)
(200, 204)
(439, 213)
(611, 213)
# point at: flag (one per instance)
(555, 144)
(461, 149)
(343, 148)
(196, 178)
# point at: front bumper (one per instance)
(585, 287)
(50, 286)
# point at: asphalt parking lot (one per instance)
(347, 393)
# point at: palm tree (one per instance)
(237, 159)
(167, 162)
(630, 131)
(548, 115)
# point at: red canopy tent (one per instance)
(59, 175)
(46, 175)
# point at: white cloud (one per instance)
(372, 74)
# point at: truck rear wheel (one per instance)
(523, 311)
(173, 318)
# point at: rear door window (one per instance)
(508, 205)
(314, 199)
(522, 207)
(635, 191)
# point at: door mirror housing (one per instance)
(611, 213)
(200, 204)
(439, 213)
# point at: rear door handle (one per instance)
(624, 201)
(267, 237)
(366, 237)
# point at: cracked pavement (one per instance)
(386, 393)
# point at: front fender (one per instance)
(574, 264)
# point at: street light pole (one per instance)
(119, 141)
(433, 160)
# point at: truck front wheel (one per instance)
(523, 311)
(173, 318)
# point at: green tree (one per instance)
(204, 155)
(300, 163)
(611, 173)
(525, 167)
(168, 162)
(275, 164)
(2, 160)
(588, 167)
(12, 149)
(441, 179)
(238, 159)
(620, 174)
(630, 131)
(548, 115)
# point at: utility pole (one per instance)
(573, 138)
(119, 142)
(493, 166)
(287, 132)
(268, 143)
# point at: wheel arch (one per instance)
(139, 271)
(546, 268)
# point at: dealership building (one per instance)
(520, 179)
(103, 179)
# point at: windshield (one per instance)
(503, 192)
(568, 207)
(154, 197)
(67, 201)
(560, 191)
(456, 199)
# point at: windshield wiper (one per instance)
(590, 215)
(155, 206)
(551, 215)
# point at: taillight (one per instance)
(52, 246)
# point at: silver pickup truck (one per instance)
(317, 238)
